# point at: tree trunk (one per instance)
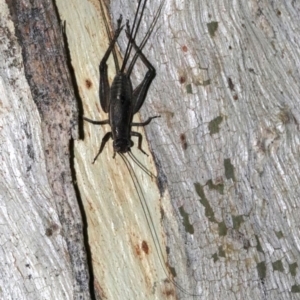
(42, 246)
(226, 151)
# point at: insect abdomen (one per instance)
(121, 106)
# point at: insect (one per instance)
(121, 102)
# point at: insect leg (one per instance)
(140, 140)
(146, 122)
(104, 85)
(140, 92)
(110, 36)
(107, 136)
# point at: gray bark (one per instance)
(42, 245)
(226, 150)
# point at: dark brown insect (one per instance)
(120, 101)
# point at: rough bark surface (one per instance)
(226, 149)
(43, 254)
(229, 144)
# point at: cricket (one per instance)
(119, 100)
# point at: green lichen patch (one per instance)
(218, 187)
(278, 266)
(206, 82)
(258, 245)
(213, 125)
(229, 169)
(222, 229)
(293, 269)
(215, 257)
(261, 270)
(186, 222)
(209, 213)
(212, 28)
(173, 271)
(199, 190)
(295, 288)
(189, 89)
(221, 252)
(279, 234)
(237, 221)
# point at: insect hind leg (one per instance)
(104, 84)
(140, 92)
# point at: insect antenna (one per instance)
(108, 32)
(146, 37)
(150, 223)
(141, 166)
(134, 31)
